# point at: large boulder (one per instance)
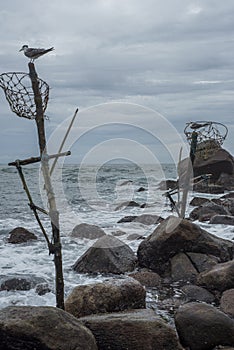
(47, 328)
(132, 330)
(202, 327)
(211, 159)
(87, 231)
(107, 255)
(174, 236)
(220, 277)
(115, 294)
(21, 235)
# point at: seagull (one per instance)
(32, 53)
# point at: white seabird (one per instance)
(34, 53)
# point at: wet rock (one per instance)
(87, 231)
(182, 269)
(141, 189)
(228, 195)
(19, 282)
(147, 278)
(127, 205)
(174, 236)
(146, 219)
(222, 219)
(197, 201)
(50, 328)
(42, 289)
(196, 293)
(118, 233)
(128, 218)
(21, 235)
(220, 277)
(229, 205)
(107, 255)
(167, 185)
(202, 327)
(108, 296)
(132, 330)
(206, 211)
(227, 302)
(134, 237)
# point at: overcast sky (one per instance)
(175, 57)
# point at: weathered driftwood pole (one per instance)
(189, 174)
(56, 248)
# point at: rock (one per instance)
(222, 219)
(206, 211)
(227, 302)
(227, 181)
(43, 327)
(175, 235)
(228, 195)
(220, 277)
(118, 233)
(87, 231)
(19, 282)
(108, 296)
(218, 161)
(182, 269)
(165, 185)
(229, 205)
(202, 327)
(42, 289)
(134, 237)
(128, 218)
(204, 187)
(127, 204)
(132, 330)
(21, 235)
(197, 201)
(147, 278)
(141, 189)
(146, 219)
(196, 293)
(203, 262)
(107, 255)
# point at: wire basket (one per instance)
(19, 93)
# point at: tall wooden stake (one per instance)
(53, 212)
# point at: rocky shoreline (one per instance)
(115, 314)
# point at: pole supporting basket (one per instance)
(19, 93)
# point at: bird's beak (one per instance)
(21, 49)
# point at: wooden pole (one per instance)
(53, 212)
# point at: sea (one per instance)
(92, 194)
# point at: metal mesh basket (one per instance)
(18, 91)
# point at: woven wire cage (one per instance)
(209, 136)
(206, 131)
(18, 90)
